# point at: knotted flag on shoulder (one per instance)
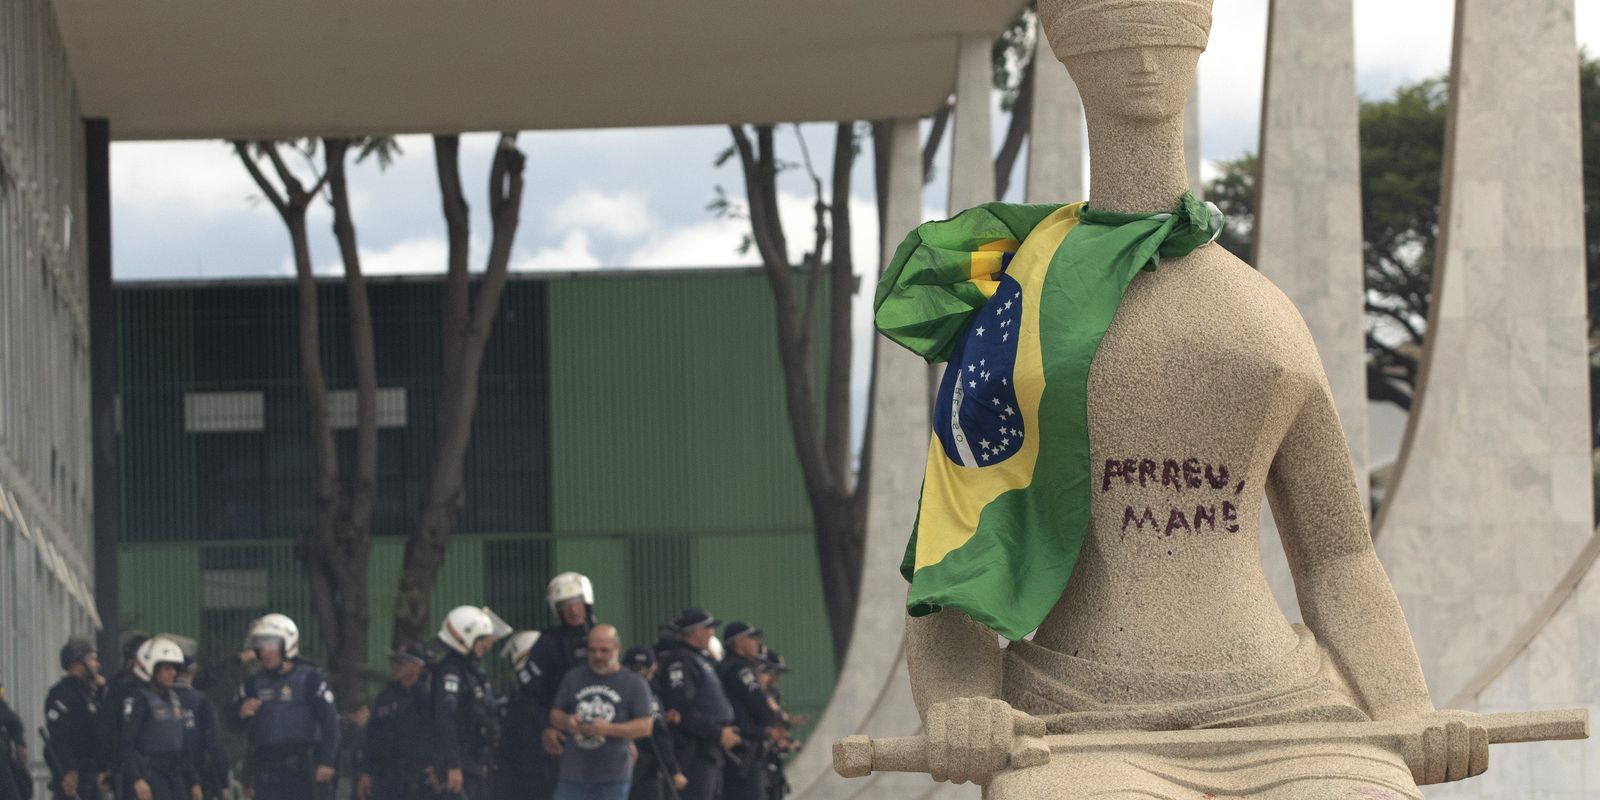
(1016, 299)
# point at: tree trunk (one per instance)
(333, 549)
(823, 450)
(347, 642)
(458, 398)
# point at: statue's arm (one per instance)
(950, 656)
(1345, 595)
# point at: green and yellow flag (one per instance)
(1016, 299)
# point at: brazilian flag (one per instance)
(1015, 299)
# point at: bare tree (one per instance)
(468, 322)
(333, 549)
(837, 492)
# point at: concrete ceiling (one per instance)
(185, 69)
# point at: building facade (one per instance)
(630, 426)
(46, 540)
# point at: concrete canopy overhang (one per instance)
(188, 69)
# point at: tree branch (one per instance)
(1017, 130)
(271, 192)
(930, 148)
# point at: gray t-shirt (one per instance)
(620, 697)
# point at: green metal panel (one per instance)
(605, 561)
(771, 580)
(666, 407)
(158, 460)
(672, 477)
(383, 583)
(166, 595)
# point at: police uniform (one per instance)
(108, 721)
(745, 777)
(465, 723)
(559, 649)
(202, 740)
(153, 748)
(520, 772)
(8, 780)
(69, 719)
(777, 782)
(658, 761)
(295, 730)
(396, 749)
(13, 741)
(689, 686)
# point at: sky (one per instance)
(637, 198)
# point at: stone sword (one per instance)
(1421, 741)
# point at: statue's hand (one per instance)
(972, 738)
(1454, 747)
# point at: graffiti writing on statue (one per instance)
(1204, 496)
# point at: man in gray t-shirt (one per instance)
(602, 708)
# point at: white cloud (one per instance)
(181, 180)
(571, 253)
(622, 215)
(713, 243)
(418, 256)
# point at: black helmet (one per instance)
(75, 650)
(639, 659)
(132, 643)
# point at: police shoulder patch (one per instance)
(127, 706)
(452, 683)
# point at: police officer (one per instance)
(202, 733)
(69, 712)
(772, 666)
(288, 712)
(520, 756)
(656, 775)
(155, 763)
(8, 779)
(559, 648)
(465, 722)
(744, 778)
(399, 730)
(13, 753)
(690, 687)
(108, 720)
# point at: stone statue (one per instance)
(1205, 395)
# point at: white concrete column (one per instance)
(1191, 140)
(1490, 508)
(1056, 137)
(1311, 173)
(971, 153)
(1310, 170)
(873, 694)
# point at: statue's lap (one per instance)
(1298, 772)
(1302, 687)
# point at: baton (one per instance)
(1414, 738)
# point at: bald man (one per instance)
(600, 708)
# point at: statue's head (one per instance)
(1133, 59)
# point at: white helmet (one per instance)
(714, 649)
(152, 654)
(276, 626)
(519, 646)
(465, 625)
(569, 586)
